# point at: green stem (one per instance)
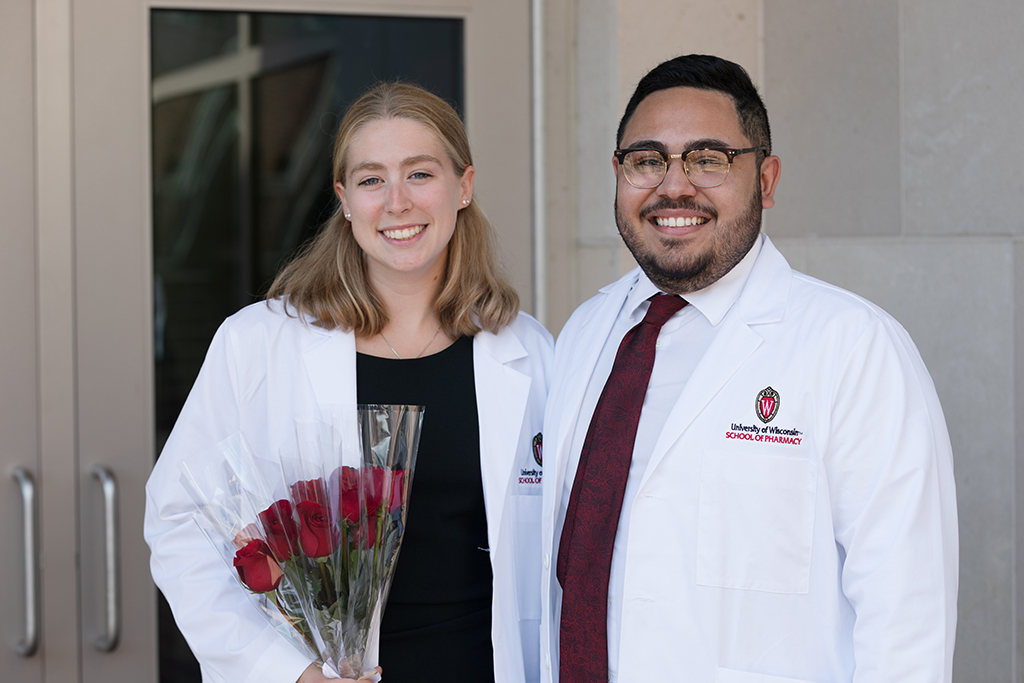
(381, 541)
(344, 557)
(331, 599)
(290, 620)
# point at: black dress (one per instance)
(437, 623)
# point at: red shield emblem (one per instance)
(538, 449)
(767, 404)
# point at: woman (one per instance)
(396, 300)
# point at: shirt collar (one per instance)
(714, 301)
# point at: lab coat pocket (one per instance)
(526, 534)
(735, 676)
(755, 522)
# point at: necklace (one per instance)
(417, 355)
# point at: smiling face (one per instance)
(402, 196)
(685, 237)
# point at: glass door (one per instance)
(245, 106)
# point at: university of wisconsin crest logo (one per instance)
(538, 449)
(767, 405)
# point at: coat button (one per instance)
(547, 561)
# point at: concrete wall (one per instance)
(597, 51)
(895, 121)
(901, 182)
(611, 44)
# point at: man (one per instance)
(776, 502)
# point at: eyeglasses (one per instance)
(706, 167)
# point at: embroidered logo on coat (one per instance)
(534, 476)
(767, 405)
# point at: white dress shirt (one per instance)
(681, 344)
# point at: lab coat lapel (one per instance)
(762, 302)
(330, 363)
(589, 340)
(720, 362)
(501, 396)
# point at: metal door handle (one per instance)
(112, 556)
(27, 646)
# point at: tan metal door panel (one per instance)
(20, 659)
(114, 343)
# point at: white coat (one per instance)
(264, 368)
(823, 550)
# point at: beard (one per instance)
(670, 265)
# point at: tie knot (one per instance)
(663, 307)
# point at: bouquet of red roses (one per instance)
(314, 535)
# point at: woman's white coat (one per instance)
(265, 368)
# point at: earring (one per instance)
(465, 202)
(348, 215)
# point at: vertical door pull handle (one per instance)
(27, 646)
(112, 557)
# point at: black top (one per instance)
(437, 622)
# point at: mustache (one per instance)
(683, 203)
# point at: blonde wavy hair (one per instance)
(327, 280)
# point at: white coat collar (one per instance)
(330, 360)
(336, 349)
(713, 302)
(761, 292)
(502, 393)
(762, 300)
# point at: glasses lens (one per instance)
(644, 168)
(707, 167)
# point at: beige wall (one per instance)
(729, 28)
(608, 46)
(895, 121)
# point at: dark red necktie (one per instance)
(592, 518)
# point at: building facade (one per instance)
(893, 118)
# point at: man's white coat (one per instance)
(822, 546)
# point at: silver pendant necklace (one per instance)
(417, 355)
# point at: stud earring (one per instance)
(348, 215)
(465, 202)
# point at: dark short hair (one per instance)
(706, 72)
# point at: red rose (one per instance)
(315, 530)
(257, 568)
(344, 485)
(281, 530)
(373, 488)
(397, 489)
(350, 507)
(313, 490)
(365, 536)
